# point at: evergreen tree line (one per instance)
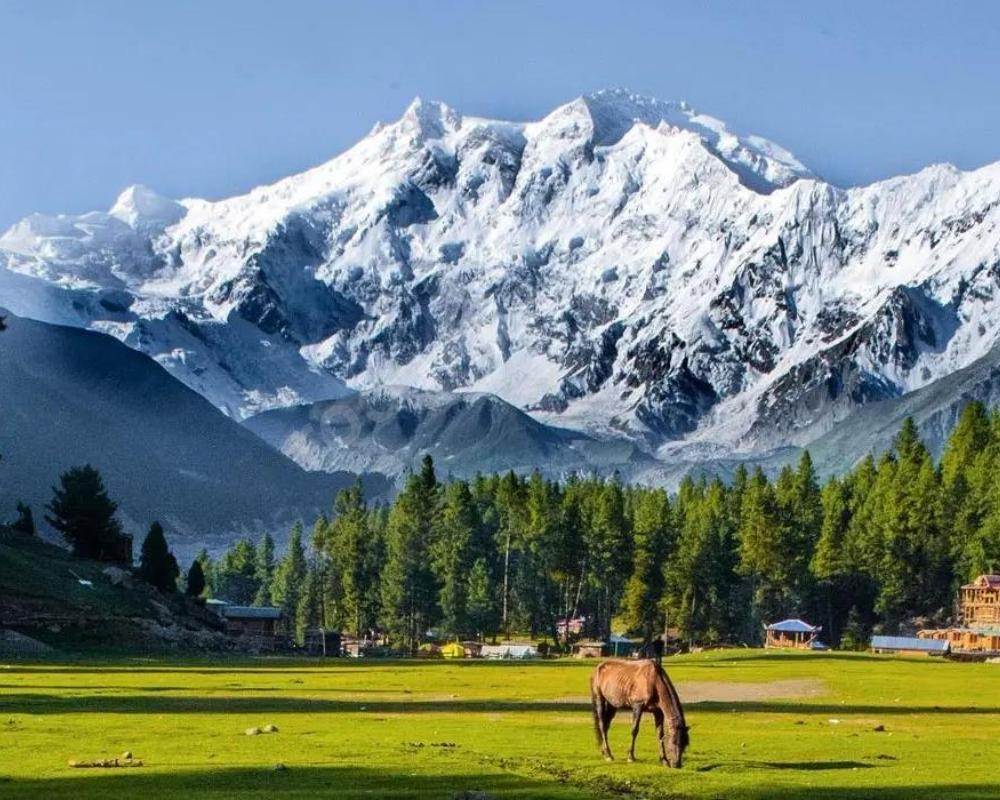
(878, 547)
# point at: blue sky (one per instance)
(211, 98)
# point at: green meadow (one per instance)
(764, 725)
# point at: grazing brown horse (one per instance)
(639, 686)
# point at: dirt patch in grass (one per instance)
(735, 692)
(724, 692)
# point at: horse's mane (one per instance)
(675, 702)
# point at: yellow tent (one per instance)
(453, 650)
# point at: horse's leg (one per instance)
(636, 719)
(609, 714)
(658, 719)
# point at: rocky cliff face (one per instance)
(624, 267)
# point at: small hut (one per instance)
(589, 648)
(251, 620)
(793, 633)
(472, 648)
(353, 647)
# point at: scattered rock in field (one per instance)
(106, 763)
(834, 721)
(879, 729)
(800, 722)
(279, 767)
(413, 744)
(253, 731)
(126, 756)
(443, 744)
(269, 728)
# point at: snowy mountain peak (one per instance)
(622, 265)
(429, 119)
(139, 206)
(604, 117)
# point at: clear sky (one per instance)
(208, 98)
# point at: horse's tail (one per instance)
(596, 702)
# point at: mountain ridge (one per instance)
(622, 267)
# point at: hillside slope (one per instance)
(70, 397)
(392, 428)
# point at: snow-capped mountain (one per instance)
(623, 266)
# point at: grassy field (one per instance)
(764, 725)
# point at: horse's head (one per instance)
(677, 743)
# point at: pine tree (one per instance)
(610, 551)
(264, 571)
(700, 574)
(207, 570)
(452, 556)
(408, 587)
(235, 574)
(195, 584)
(481, 608)
(763, 547)
(347, 541)
(83, 513)
(157, 565)
(653, 534)
(289, 578)
(24, 525)
(307, 607)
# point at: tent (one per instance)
(512, 651)
(453, 650)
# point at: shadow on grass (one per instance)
(266, 782)
(796, 766)
(348, 783)
(247, 703)
(297, 666)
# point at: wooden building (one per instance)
(793, 633)
(966, 641)
(978, 635)
(251, 620)
(979, 602)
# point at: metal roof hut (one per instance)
(793, 633)
(909, 645)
